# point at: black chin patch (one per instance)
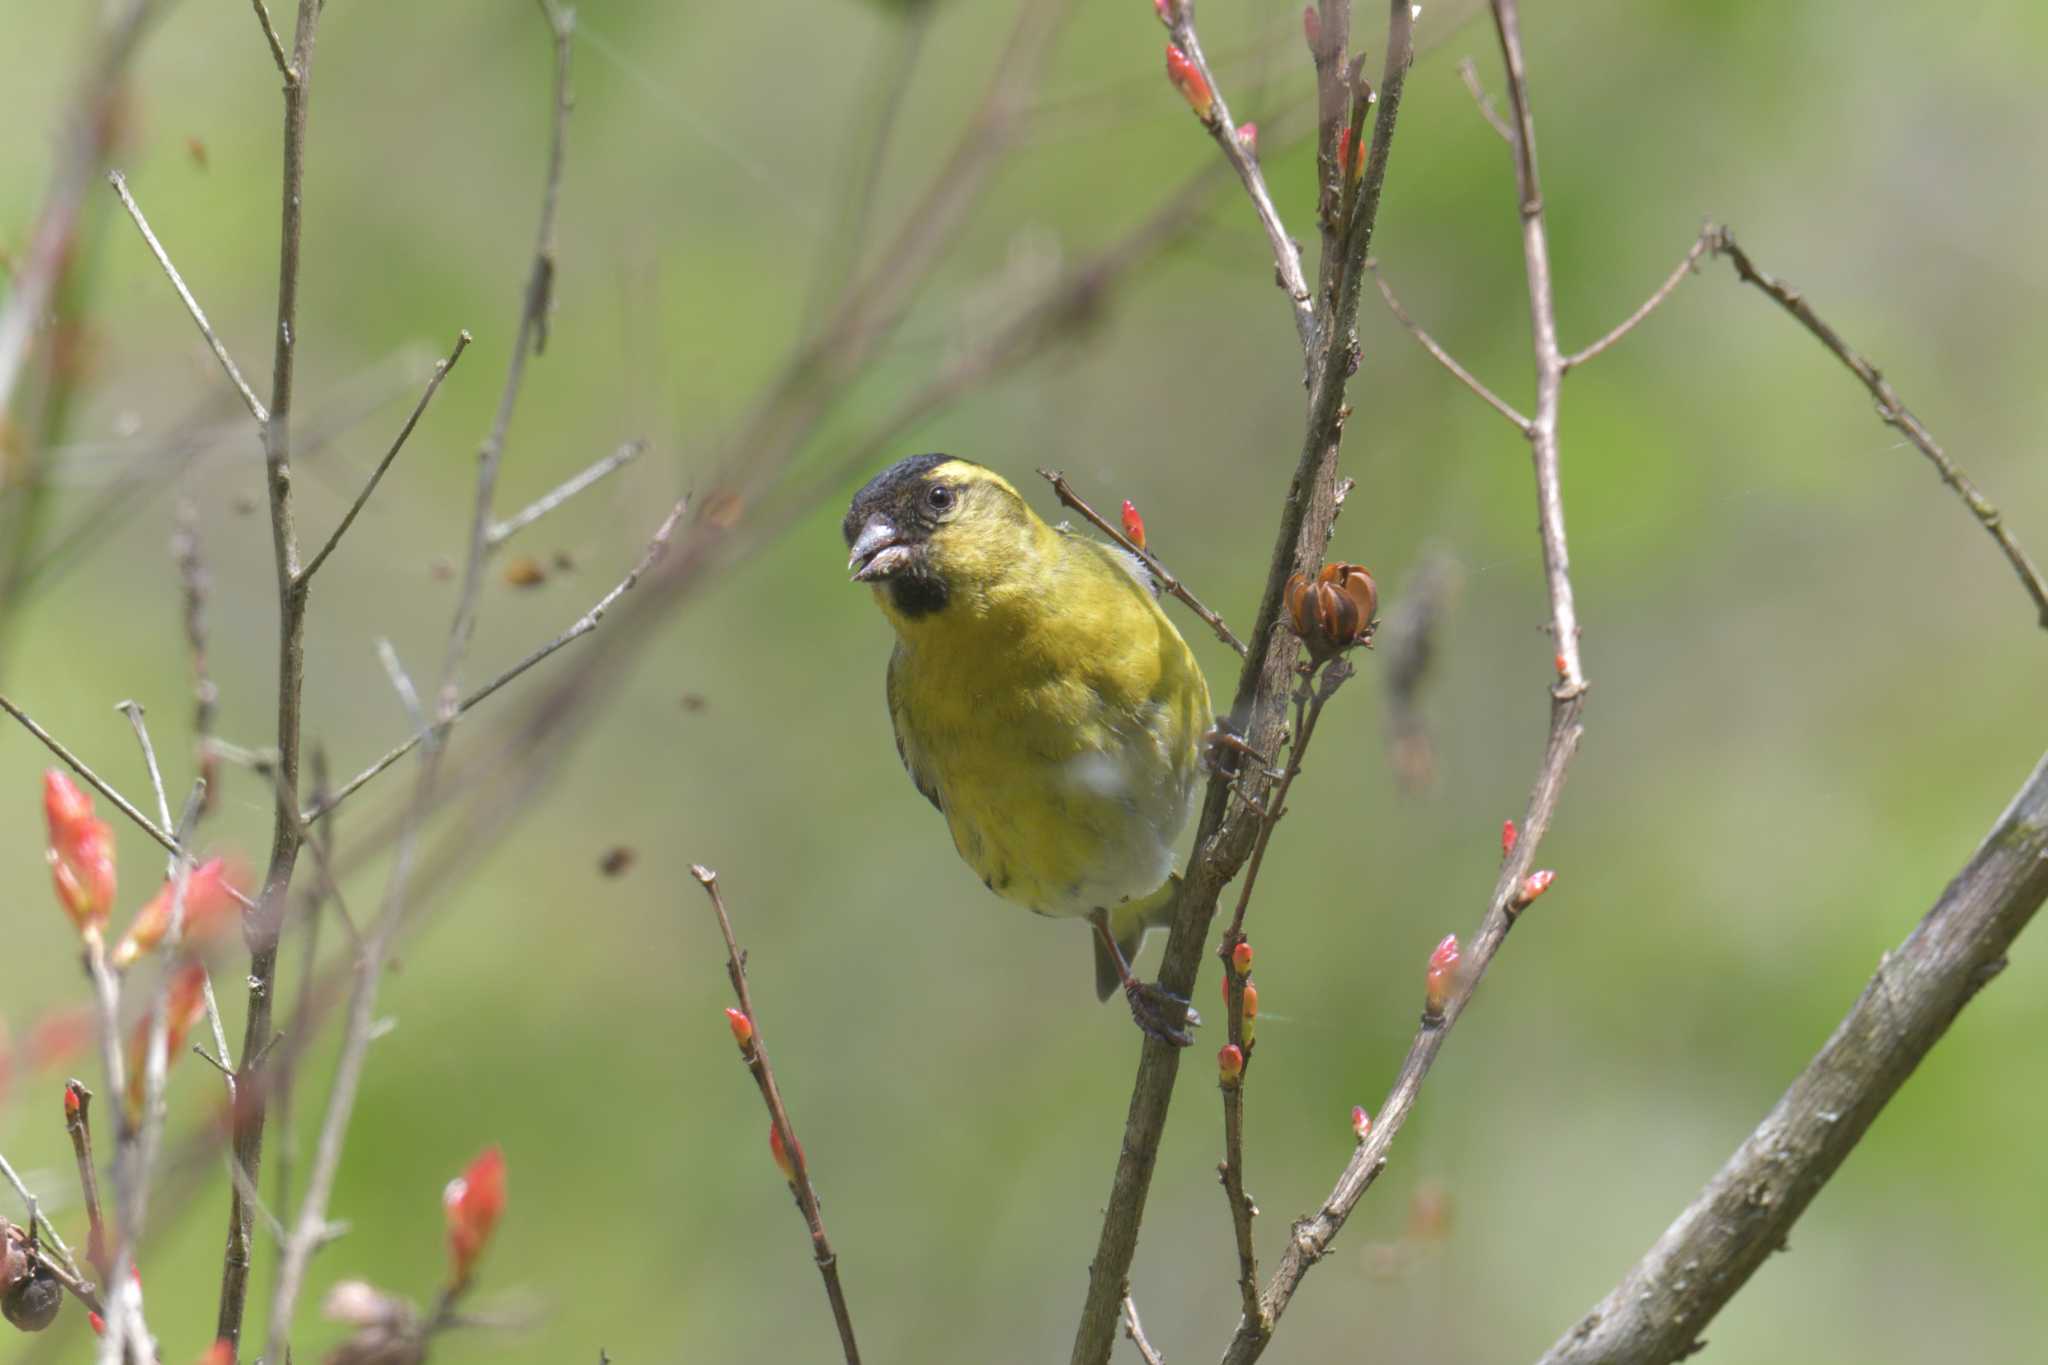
(917, 594)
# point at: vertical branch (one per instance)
(1221, 845)
(1550, 361)
(260, 928)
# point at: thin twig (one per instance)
(547, 502)
(1891, 408)
(1167, 582)
(213, 341)
(284, 63)
(1688, 266)
(1135, 1330)
(441, 369)
(530, 340)
(583, 625)
(133, 710)
(78, 1126)
(1469, 73)
(1443, 357)
(755, 1053)
(1710, 1251)
(1287, 269)
(34, 1206)
(194, 584)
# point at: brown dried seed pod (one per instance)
(1333, 611)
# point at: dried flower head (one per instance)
(1333, 611)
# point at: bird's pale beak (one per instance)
(877, 552)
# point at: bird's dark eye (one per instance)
(939, 498)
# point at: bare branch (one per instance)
(583, 625)
(261, 930)
(531, 339)
(1443, 357)
(1306, 517)
(1135, 1330)
(284, 63)
(547, 502)
(441, 369)
(1725, 1235)
(194, 585)
(1312, 1236)
(87, 132)
(790, 1152)
(1689, 265)
(1287, 269)
(213, 341)
(1469, 73)
(1167, 582)
(1891, 408)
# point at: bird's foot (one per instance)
(1161, 1014)
(1224, 750)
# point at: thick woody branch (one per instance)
(790, 1152)
(1890, 407)
(1659, 1309)
(1221, 846)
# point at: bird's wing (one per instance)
(899, 720)
(1118, 556)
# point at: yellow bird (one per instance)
(1041, 699)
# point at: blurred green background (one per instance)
(1816, 682)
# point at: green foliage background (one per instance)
(1815, 680)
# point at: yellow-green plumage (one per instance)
(1040, 697)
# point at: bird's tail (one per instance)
(1127, 925)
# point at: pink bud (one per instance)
(1533, 885)
(1312, 28)
(1134, 525)
(80, 853)
(472, 1203)
(783, 1162)
(1248, 137)
(1230, 1065)
(1443, 972)
(1191, 83)
(1361, 1122)
(1509, 837)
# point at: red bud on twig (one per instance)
(1241, 958)
(1361, 1122)
(1312, 29)
(1188, 79)
(472, 1203)
(1167, 10)
(222, 1352)
(1509, 837)
(80, 853)
(183, 1006)
(1443, 971)
(742, 1028)
(1251, 1012)
(1533, 885)
(209, 910)
(1351, 159)
(1248, 137)
(1134, 525)
(781, 1153)
(1230, 1065)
